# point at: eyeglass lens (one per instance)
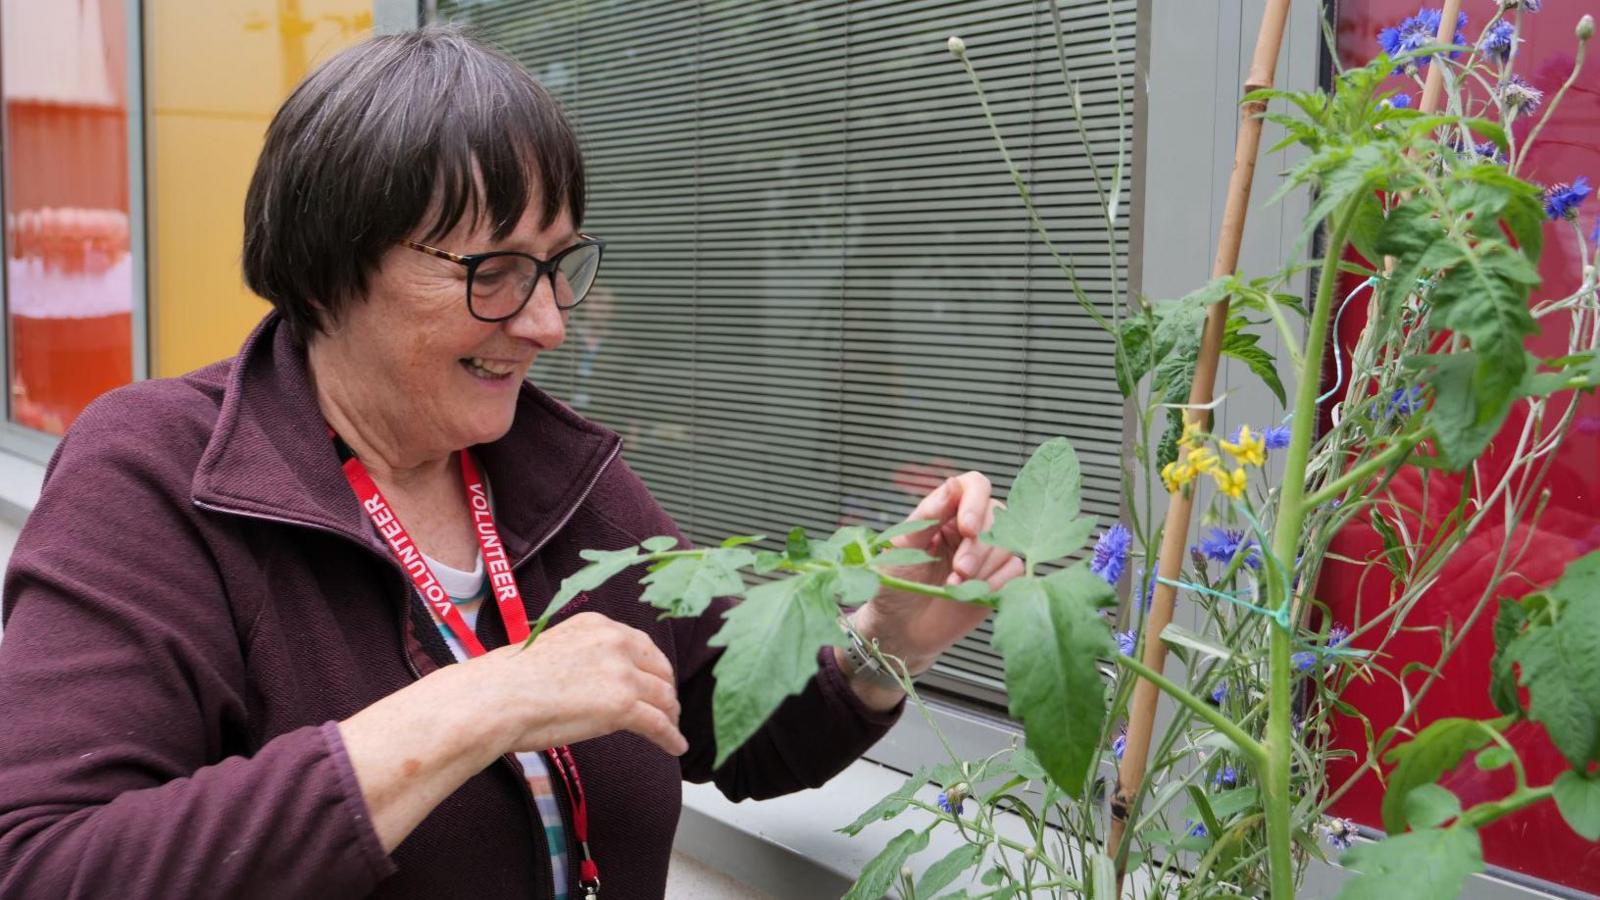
(502, 284)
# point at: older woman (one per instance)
(234, 620)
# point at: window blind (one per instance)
(821, 294)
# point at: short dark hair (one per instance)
(377, 137)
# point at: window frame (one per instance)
(30, 443)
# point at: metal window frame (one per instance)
(30, 443)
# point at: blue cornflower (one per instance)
(1561, 200)
(1227, 778)
(1524, 5)
(1149, 589)
(1339, 832)
(1519, 97)
(1126, 641)
(1490, 151)
(1277, 437)
(1119, 745)
(1418, 31)
(1195, 829)
(1399, 101)
(955, 810)
(1303, 660)
(1403, 402)
(1219, 693)
(1594, 236)
(1221, 544)
(1111, 553)
(1499, 40)
(1337, 635)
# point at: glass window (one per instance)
(69, 274)
(1535, 841)
(821, 295)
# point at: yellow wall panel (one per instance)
(217, 71)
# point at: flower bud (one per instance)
(1030, 854)
(906, 873)
(1585, 28)
(958, 47)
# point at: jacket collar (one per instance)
(270, 455)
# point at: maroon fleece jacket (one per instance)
(198, 598)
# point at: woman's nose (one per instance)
(540, 320)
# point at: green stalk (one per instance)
(1394, 453)
(1292, 509)
(1248, 746)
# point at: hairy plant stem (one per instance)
(1292, 509)
(1248, 746)
(1484, 813)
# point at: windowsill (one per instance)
(20, 481)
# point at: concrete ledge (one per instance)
(20, 481)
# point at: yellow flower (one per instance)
(1202, 460)
(1175, 475)
(1230, 483)
(1250, 449)
(1191, 435)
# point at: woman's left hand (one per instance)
(917, 628)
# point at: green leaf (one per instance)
(659, 543)
(857, 586)
(767, 561)
(911, 527)
(1502, 675)
(1040, 519)
(740, 540)
(1102, 877)
(686, 586)
(880, 874)
(1051, 634)
(1434, 751)
(1560, 660)
(1178, 636)
(603, 566)
(1133, 359)
(972, 592)
(1494, 758)
(1431, 805)
(1366, 227)
(796, 547)
(1578, 798)
(772, 641)
(1244, 347)
(1464, 419)
(1423, 865)
(902, 556)
(940, 874)
(890, 806)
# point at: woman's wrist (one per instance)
(871, 681)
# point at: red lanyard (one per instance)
(507, 597)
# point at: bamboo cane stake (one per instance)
(1175, 535)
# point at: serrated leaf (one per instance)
(889, 807)
(603, 566)
(1508, 623)
(1464, 419)
(1431, 805)
(772, 641)
(1434, 751)
(1245, 348)
(1040, 519)
(767, 561)
(659, 544)
(939, 875)
(1051, 635)
(796, 546)
(1133, 359)
(902, 556)
(1423, 865)
(880, 873)
(971, 591)
(1578, 799)
(1366, 227)
(1560, 660)
(687, 585)
(909, 527)
(857, 586)
(740, 540)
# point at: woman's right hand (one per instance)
(586, 677)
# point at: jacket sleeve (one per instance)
(812, 737)
(122, 681)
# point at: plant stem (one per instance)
(1247, 745)
(1292, 508)
(1391, 454)
(1484, 813)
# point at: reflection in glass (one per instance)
(69, 276)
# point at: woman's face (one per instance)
(444, 379)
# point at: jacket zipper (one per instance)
(405, 619)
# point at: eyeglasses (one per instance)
(499, 284)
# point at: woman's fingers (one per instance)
(650, 723)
